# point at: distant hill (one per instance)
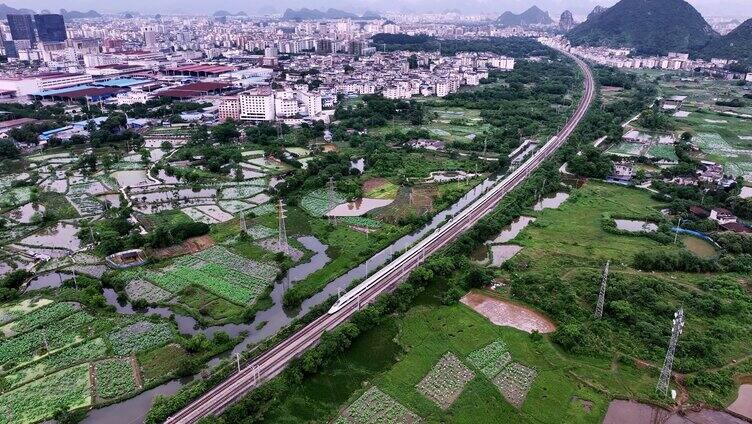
(370, 14)
(597, 11)
(737, 44)
(530, 17)
(566, 22)
(309, 14)
(7, 10)
(74, 14)
(220, 13)
(648, 26)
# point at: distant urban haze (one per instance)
(740, 8)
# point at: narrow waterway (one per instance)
(276, 317)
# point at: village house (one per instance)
(722, 216)
(623, 171)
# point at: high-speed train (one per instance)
(401, 266)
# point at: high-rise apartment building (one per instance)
(50, 27)
(22, 28)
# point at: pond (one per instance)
(699, 247)
(513, 230)
(508, 314)
(551, 202)
(634, 226)
(62, 236)
(359, 207)
(743, 403)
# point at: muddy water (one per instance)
(743, 403)
(630, 412)
(277, 317)
(513, 230)
(508, 314)
(359, 207)
(699, 247)
(551, 202)
(633, 226)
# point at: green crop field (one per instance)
(40, 399)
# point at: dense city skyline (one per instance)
(741, 8)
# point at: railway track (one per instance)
(272, 362)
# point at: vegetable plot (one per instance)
(316, 202)
(375, 406)
(446, 381)
(491, 359)
(114, 378)
(514, 382)
(64, 358)
(40, 399)
(139, 337)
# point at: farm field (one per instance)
(426, 334)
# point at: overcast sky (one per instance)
(737, 8)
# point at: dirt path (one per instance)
(137, 377)
(93, 382)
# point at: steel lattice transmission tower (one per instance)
(331, 197)
(676, 331)
(283, 245)
(602, 292)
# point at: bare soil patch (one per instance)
(508, 314)
(192, 245)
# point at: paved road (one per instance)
(272, 362)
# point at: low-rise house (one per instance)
(623, 171)
(722, 216)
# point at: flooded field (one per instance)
(746, 193)
(551, 202)
(63, 236)
(508, 314)
(24, 213)
(131, 178)
(743, 403)
(699, 247)
(513, 230)
(634, 226)
(359, 207)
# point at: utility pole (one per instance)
(676, 330)
(331, 199)
(237, 357)
(602, 292)
(283, 245)
(676, 233)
